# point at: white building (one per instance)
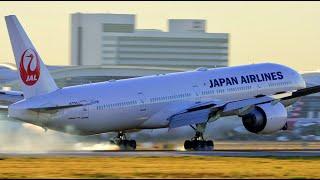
(112, 39)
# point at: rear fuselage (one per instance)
(147, 102)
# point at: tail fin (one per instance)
(34, 75)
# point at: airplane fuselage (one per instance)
(147, 102)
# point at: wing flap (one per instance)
(187, 118)
(236, 105)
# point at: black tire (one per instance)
(187, 145)
(123, 145)
(193, 145)
(197, 145)
(209, 145)
(133, 144)
(202, 145)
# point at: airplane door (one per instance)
(196, 90)
(84, 112)
(142, 102)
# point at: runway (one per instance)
(218, 153)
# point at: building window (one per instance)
(124, 28)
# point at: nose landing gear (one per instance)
(123, 143)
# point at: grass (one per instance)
(159, 167)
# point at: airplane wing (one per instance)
(9, 97)
(211, 111)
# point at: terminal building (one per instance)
(112, 39)
(77, 75)
(308, 106)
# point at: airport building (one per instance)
(76, 75)
(112, 39)
(307, 106)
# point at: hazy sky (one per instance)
(281, 32)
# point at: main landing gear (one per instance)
(198, 143)
(123, 143)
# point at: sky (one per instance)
(281, 32)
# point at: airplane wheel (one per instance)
(133, 144)
(122, 145)
(197, 145)
(126, 145)
(202, 146)
(187, 145)
(209, 145)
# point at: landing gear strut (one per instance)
(123, 143)
(198, 143)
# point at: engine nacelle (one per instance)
(265, 118)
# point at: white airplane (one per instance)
(258, 93)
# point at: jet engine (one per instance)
(266, 118)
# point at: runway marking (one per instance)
(221, 153)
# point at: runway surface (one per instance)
(221, 153)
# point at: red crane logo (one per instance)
(30, 74)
